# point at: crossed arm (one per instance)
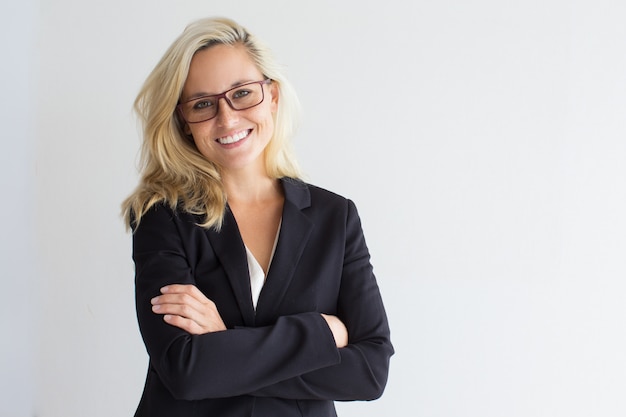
(300, 356)
(187, 308)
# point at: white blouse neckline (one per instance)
(257, 276)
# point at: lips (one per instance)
(234, 138)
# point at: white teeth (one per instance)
(234, 138)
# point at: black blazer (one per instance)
(281, 360)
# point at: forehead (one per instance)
(219, 68)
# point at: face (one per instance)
(234, 140)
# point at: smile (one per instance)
(227, 140)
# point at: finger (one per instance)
(183, 310)
(180, 298)
(338, 329)
(185, 306)
(183, 323)
(189, 289)
(191, 326)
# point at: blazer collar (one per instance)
(296, 192)
(230, 250)
(294, 234)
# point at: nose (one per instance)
(226, 116)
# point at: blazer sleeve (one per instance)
(221, 364)
(364, 365)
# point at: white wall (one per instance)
(483, 142)
(19, 305)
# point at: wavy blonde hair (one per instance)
(172, 169)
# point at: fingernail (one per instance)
(156, 307)
(165, 289)
(154, 300)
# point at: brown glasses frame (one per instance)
(223, 95)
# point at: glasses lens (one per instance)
(245, 96)
(199, 110)
(239, 98)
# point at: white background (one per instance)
(484, 143)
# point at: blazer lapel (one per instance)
(230, 250)
(294, 234)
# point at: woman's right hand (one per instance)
(185, 306)
(340, 333)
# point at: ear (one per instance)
(182, 123)
(274, 91)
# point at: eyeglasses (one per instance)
(205, 108)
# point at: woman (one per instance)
(255, 295)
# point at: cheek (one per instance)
(268, 124)
(265, 115)
(200, 131)
(201, 140)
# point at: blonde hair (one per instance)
(172, 170)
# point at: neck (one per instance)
(248, 187)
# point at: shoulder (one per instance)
(327, 195)
(162, 215)
(304, 194)
(313, 198)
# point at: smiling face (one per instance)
(233, 140)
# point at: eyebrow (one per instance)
(202, 94)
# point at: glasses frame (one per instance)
(223, 95)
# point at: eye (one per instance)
(202, 104)
(242, 93)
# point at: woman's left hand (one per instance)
(186, 307)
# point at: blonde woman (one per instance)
(254, 291)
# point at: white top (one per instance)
(257, 277)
